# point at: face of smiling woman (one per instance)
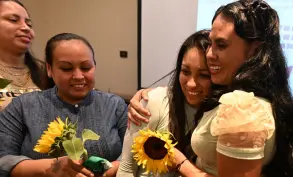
(73, 70)
(194, 77)
(227, 52)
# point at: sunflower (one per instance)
(55, 131)
(153, 150)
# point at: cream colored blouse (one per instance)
(241, 127)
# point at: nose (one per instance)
(191, 83)
(211, 54)
(78, 74)
(25, 28)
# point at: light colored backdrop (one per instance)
(109, 25)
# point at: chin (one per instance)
(79, 95)
(217, 80)
(194, 103)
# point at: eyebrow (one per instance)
(67, 62)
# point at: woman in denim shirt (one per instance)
(71, 64)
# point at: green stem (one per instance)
(84, 155)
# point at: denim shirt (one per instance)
(23, 121)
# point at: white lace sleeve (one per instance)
(243, 124)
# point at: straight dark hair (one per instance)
(176, 97)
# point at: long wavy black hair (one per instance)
(265, 74)
(36, 66)
(176, 97)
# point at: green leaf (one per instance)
(74, 148)
(89, 135)
(4, 83)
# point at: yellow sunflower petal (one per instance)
(55, 129)
(151, 165)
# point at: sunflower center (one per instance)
(154, 148)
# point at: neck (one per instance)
(69, 100)
(10, 59)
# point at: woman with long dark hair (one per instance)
(250, 132)
(173, 108)
(17, 63)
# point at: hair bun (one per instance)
(259, 6)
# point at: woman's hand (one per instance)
(65, 167)
(136, 111)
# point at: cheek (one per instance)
(235, 57)
(206, 86)
(182, 80)
(33, 34)
(60, 77)
(5, 32)
(90, 76)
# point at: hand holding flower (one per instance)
(60, 139)
(64, 166)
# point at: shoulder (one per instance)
(158, 94)
(100, 96)
(159, 91)
(109, 102)
(157, 98)
(239, 100)
(243, 111)
(34, 96)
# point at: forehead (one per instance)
(72, 50)
(222, 27)
(9, 7)
(194, 57)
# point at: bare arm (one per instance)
(232, 167)
(49, 168)
(186, 168)
(33, 168)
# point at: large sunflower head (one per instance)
(154, 151)
(51, 141)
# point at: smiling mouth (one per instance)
(193, 93)
(214, 69)
(78, 85)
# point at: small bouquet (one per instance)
(60, 139)
(154, 151)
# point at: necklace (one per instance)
(16, 72)
(21, 83)
(17, 80)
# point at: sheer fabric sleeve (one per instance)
(243, 123)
